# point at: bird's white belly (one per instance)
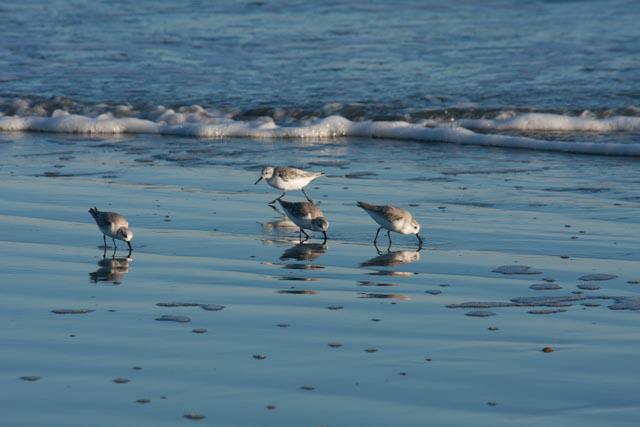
(302, 222)
(294, 184)
(108, 231)
(395, 226)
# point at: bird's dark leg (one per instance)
(375, 239)
(389, 236)
(275, 208)
(276, 199)
(115, 247)
(104, 240)
(307, 196)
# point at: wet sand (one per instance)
(313, 334)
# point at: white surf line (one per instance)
(553, 122)
(329, 127)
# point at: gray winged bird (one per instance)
(288, 179)
(392, 218)
(306, 215)
(114, 225)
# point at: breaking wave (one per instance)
(196, 121)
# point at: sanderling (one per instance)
(113, 225)
(306, 215)
(287, 179)
(392, 219)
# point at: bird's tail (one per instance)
(94, 212)
(364, 205)
(284, 203)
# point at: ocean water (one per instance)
(541, 74)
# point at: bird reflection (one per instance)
(112, 270)
(304, 251)
(283, 223)
(391, 258)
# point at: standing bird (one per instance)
(113, 225)
(287, 179)
(392, 219)
(306, 215)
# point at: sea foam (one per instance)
(197, 122)
(553, 122)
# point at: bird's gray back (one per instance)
(107, 218)
(288, 174)
(392, 213)
(302, 209)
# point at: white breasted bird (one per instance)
(392, 218)
(288, 179)
(307, 216)
(114, 225)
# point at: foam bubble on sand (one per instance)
(597, 277)
(588, 286)
(545, 286)
(200, 123)
(480, 313)
(72, 311)
(619, 303)
(297, 292)
(207, 307)
(171, 318)
(383, 296)
(515, 269)
(548, 311)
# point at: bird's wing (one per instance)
(115, 218)
(387, 211)
(288, 174)
(302, 209)
(393, 213)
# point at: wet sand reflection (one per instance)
(111, 270)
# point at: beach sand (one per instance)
(399, 354)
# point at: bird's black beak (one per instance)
(259, 179)
(129, 243)
(419, 241)
(325, 236)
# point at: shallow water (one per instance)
(368, 340)
(167, 112)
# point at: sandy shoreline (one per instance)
(205, 235)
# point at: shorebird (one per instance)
(287, 179)
(306, 215)
(113, 225)
(392, 219)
